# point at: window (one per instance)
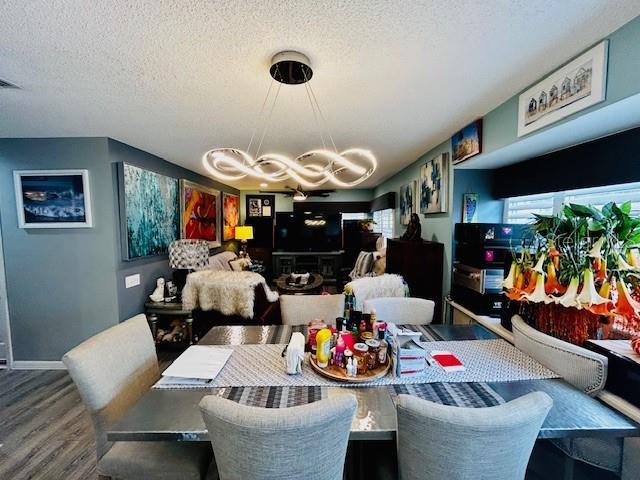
(521, 209)
(384, 223)
(355, 216)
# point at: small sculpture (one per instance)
(158, 293)
(414, 229)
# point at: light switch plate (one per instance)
(132, 280)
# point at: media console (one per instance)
(326, 264)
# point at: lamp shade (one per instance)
(189, 254)
(244, 233)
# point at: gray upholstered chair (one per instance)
(112, 370)
(300, 309)
(583, 369)
(439, 441)
(401, 310)
(308, 441)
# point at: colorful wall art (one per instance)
(151, 217)
(231, 214)
(434, 180)
(53, 198)
(407, 202)
(467, 142)
(199, 213)
(470, 208)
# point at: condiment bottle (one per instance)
(360, 354)
(338, 358)
(382, 350)
(373, 319)
(374, 350)
(323, 347)
(348, 356)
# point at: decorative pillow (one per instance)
(363, 266)
(239, 264)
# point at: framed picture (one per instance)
(260, 206)
(231, 215)
(434, 182)
(581, 83)
(467, 142)
(53, 198)
(200, 213)
(470, 208)
(149, 212)
(407, 202)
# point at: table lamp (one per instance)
(185, 256)
(243, 234)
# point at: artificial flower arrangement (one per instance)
(579, 276)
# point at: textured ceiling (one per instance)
(178, 77)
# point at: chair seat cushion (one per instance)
(157, 460)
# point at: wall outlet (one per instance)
(132, 280)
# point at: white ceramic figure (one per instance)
(158, 293)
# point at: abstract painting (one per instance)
(199, 217)
(53, 198)
(467, 142)
(434, 180)
(231, 214)
(581, 83)
(151, 219)
(407, 202)
(470, 208)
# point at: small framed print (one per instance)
(259, 206)
(470, 208)
(53, 198)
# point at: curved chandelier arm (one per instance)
(233, 164)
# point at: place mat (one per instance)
(485, 361)
(471, 395)
(272, 397)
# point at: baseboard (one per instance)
(37, 365)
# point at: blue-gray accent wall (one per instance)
(65, 285)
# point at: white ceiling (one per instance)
(179, 77)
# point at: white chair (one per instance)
(308, 441)
(439, 441)
(300, 309)
(112, 370)
(401, 310)
(583, 369)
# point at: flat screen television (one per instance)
(313, 232)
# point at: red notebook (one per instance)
(447, 360)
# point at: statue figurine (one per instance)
(414, 229)
(158, 293)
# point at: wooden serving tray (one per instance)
(338, 374)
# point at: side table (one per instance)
(158, 311)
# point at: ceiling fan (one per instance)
(298, 194)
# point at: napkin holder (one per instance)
(295, 354)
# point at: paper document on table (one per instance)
(198, 361)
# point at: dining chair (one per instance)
(401, 310)
(300, 309)
(439, 441)
(112, 370)
(585, 370)
(308, 441)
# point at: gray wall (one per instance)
(60, 282)
(65, 285)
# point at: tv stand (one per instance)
(326, 264)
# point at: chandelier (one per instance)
(311, 169)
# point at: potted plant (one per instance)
(578, 277)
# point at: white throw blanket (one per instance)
(230, 293)
(387, 285)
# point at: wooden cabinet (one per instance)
(421, 266)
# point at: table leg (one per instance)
(189, 322)
(152, 319)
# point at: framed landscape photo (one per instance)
(53, 198)
(579, 84)
(467, 142)
(434, 182)
(230, 214)
(149, 211)
(200, 213)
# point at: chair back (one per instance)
(580, 367)
(112, 370)
(300, 309)
(438, 441)
(308, 441)
(401, 310)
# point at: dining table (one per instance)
(173, 414)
